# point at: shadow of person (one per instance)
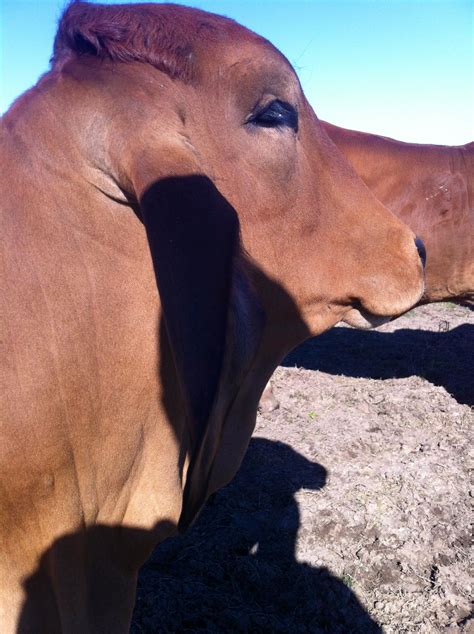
(236, 569)
(85, 581)
(443, 358)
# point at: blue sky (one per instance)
(402, 68)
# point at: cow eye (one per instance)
(276, 114)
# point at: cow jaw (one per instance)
(359, 318)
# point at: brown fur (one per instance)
(161, 253)
(165, 36)
(431, 188)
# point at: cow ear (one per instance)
(211, 314)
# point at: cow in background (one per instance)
(431, 188)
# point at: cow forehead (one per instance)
(188, 44)
(247, 66)
(248, 79)
(241, 52)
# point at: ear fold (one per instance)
(212, 316)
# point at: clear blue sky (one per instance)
(402, 68)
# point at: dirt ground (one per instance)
(352, 509)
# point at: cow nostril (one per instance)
(421, 250)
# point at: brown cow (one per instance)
(431, 188)
(169, 148)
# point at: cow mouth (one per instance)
(363, 319)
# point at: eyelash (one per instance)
(275, 115)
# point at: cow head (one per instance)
(203, 128)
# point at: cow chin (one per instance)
(360, 318)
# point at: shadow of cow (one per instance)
(236, 570)
(443, 358)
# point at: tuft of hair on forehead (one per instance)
(162, 35)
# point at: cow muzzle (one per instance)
(362, 319)
(358, 317)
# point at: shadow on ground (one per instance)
(235, 571)
(443, 358)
